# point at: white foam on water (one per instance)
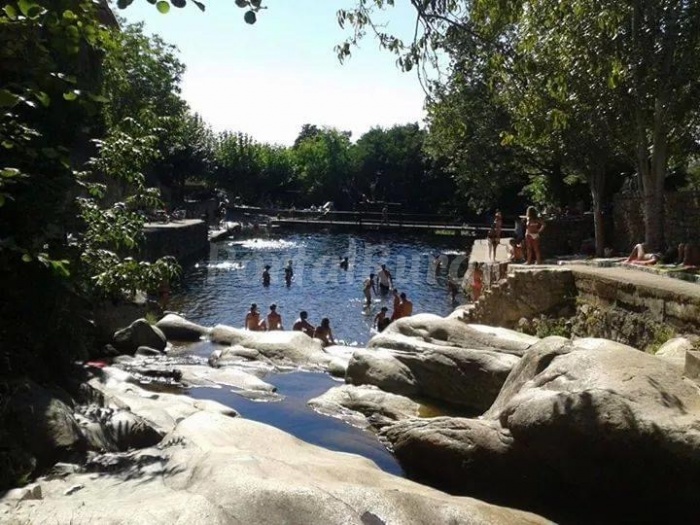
(223, 265)
(265, 244)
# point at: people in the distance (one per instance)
(266, 275)
(437, 263)
(477, 281)
(253, 321)
(515, 251)
(381, 321)
(344, 263)
(274, 319)
(302, 325)
(288, 272)
(494, 235)
(367, 289)
(641, 256)
(689, 255)
(396, 313)
(385, 280)
(452, 288)
(533, 228)
(324, 333)
(406, 306)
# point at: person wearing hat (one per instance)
(381, 321)
(266, 275)
(302, 325)
(253, 321)
(274, 320)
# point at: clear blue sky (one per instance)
(269, 78)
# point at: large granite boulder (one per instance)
(278, 347)
(586, 431)
(177, 328)
(217, 470)
(139, 333)
(365, 405)
(41, 422)
(440, 359)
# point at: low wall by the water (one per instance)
(181, 239)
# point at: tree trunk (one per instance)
(654, 182)
(597, 184)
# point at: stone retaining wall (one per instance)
(531, 292)
(681, 219)
(181, 239)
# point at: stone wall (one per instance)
(681, 219)
(565, 235)
(181, 239)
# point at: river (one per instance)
(221, 287)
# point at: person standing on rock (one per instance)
(367, 288)
(533, 228)
(302, 325)
(274, 320)
(494, 235)
(253, 321)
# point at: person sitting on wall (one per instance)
(689, 255)
(641, 257)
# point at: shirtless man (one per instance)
(368, 288)
(381, 321)
(385, 281)
(253, 321)
(324, 333)
(302, 325)
(274, 320)
(406, 306)
(344, 263)
(266, 275)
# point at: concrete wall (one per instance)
(681, 219)
(181, 239)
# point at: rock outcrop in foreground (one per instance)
(214, 469)
(589, 430)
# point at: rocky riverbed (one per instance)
(577, 431)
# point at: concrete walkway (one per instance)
(625, 274)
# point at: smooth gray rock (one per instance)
(355, 404)
(177, 328)
(421, 356)
(605, 429)
(139, 333)
(147, 351)
(674, 350)
(219, 470)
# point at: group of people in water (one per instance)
(273, 321)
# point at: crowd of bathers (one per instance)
(273, 321)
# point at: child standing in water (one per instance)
(368, 288)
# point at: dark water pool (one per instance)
(221, 287)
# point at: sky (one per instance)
(270, 78)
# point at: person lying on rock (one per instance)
(253, 321)
(302, 325)
(324, 333)
(641, 257)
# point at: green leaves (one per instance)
(250, 17)
(163, 6)
(30, 9)
(8, 99)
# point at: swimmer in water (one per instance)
(367, 288)
(253, 321)
(274, 320)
